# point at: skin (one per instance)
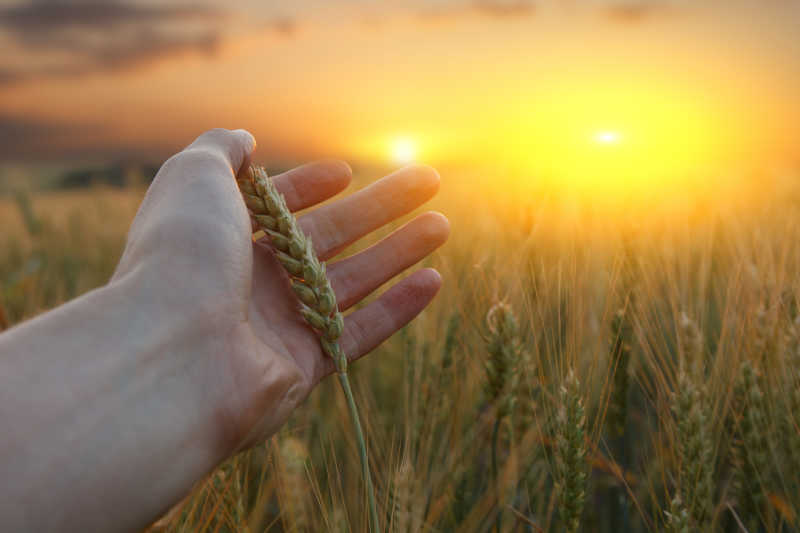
(114, 404)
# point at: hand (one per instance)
(254, 357)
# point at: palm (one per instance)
(277, 324)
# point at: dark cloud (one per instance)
(55, 16)
(91, 36)
(480, 8)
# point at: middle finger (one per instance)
(334, 226)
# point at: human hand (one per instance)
(251, 357)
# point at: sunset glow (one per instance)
(585, 99)
(403, 150)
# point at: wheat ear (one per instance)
(570, 453)
(293, 249)
(677, 517)
(692, 422)
(694, 449)
(750, 447)
(504, 347)
(790, 405)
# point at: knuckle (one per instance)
(216, 134)
(357, 338)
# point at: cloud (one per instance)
(480, 8)
(53, 16)
(71, 38)
(493, 8)
(632, 12)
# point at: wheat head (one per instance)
(309, 282)
(296, 253)
(570, 453)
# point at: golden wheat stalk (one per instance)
(692, 421)
(309, 282)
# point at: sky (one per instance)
(557, 88)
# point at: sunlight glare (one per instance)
(607, 137)
(404, 150)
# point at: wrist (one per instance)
(179, 339)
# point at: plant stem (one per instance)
(495, 432)
(375, 526)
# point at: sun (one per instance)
(607, 137)
(404, 150)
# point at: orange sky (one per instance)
(510, 84)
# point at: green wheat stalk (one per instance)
(751, 446)
(504, 347)
(502, 376)
(310, 283)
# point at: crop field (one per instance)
(584, 368)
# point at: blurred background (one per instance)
(612, 95)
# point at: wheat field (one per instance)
(581, 370)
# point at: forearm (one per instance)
(102, 426)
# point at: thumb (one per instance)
(193, 199)
(235, 146)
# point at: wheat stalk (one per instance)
(504, 347)
(292, 481)
(790, 406)
(309, 282)
(570, 453)
(502, 378)
(692, 422)
(694, 449)
(751, 445)
(678, 517)
(621, 349)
